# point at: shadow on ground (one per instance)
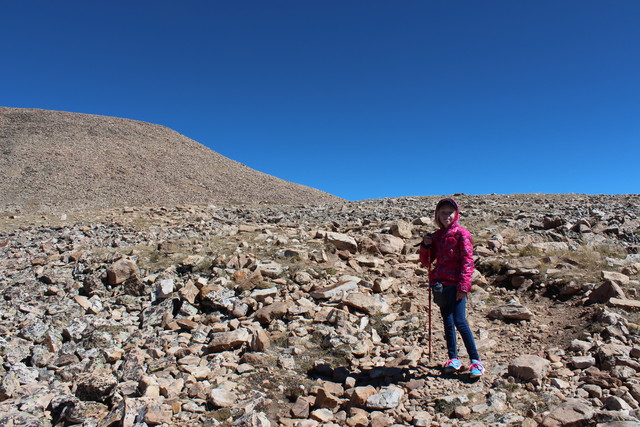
(385, 376)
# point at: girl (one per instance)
(452, 249)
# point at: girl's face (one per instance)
(446, 214)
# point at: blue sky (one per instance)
(362, 99)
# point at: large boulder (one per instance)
(388, 398)
(402, 229)
(270, 312)
(605, 292)
(222, 341)
(549, 222)
(270, 269)
(615, 277)
(573, 412)
(155, 314)
(95, 386)
(121, 270)
(529, 367)
(370, 304)
(359, 395)
(387, 243)
(221, 398)
(342, 241)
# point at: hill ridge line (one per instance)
(56, 160)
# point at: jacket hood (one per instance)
(456, 216)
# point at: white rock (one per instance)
(388, 398)
(164, 288)
(559, 383)
(370, 304)
(262, 294)
(327, 292)
(221, 398)
(583, 362)
(270, 269)
(512, 312)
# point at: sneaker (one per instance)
(476, 369)
(452, 365)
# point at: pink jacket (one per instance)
(452, 250)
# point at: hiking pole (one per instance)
(429, 339)
(429, 297)
(429, 293)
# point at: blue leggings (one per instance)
(454, 317)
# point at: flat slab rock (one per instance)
(512, 312)
(327, 292)
(625, 304)
(573, 412)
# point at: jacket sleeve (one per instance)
(467, 266)
(425, 256)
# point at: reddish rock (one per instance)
(121, 270)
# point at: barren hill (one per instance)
(54, 160)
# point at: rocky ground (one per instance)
(308, 316)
